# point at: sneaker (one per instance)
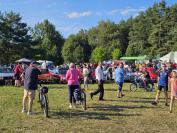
(170, 111)
(91, 96)
(154, 103)
(24, 110)
(70, 106)
(122, 95)
(30, 113)
(101, 99)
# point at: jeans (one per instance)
(120, 84)
(71, 89)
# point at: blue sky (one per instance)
(69, 16)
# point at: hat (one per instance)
(174, 70)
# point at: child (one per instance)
(173, 83)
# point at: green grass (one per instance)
(133, 113)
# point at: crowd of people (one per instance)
(167, 77)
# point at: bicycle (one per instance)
(80, 97)
(43, 99)
(138, 83)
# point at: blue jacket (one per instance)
(119, 74)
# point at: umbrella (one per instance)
(23, 60)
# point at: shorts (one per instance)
(165, 88)
(120, 84)
(30, 94)
(17, 76)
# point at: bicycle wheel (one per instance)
(44, 105)
(83, 101)
(133, 87)
(149, 87)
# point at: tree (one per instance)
(106, 35)
(116, 54)
(14, 38)
(49, 42)
(98, 54)
(76, 48)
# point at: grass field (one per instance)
(132, 113)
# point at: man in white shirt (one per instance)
(99, 77)
(44, 65)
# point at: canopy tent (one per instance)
(170, 57)
(135, 58)
(23, 60)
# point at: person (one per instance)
(30, 86)
(86, 75)
(17, 73)
(80, 73)
(72, 77)
(99, 78)
(146, 77)
(44, 65)
(173, 84)
(119, 79)
(162, 84)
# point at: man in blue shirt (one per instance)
(119, 78)
(162, 84)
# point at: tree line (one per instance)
(153, 33)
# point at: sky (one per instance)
(69, 16)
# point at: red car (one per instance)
(49, 77)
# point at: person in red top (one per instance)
(17, 72)
(80, 73)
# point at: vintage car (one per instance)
(48, 77)
(61, 73)
(6, 76)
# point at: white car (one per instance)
(6, 74)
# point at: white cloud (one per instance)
(126, 11)
(78, 14)
(67, 29)
(113, 12)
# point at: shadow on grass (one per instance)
(100, 113)
(116, 89)
(107, 108)
(135, 101)
(148, 98)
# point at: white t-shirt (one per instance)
(99, 73)
(44, 65)
(85, 72)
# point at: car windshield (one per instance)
(6, 70)
(62, 71)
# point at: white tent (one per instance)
(170, 57)
(23, 60)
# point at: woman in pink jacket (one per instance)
(72, 77)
